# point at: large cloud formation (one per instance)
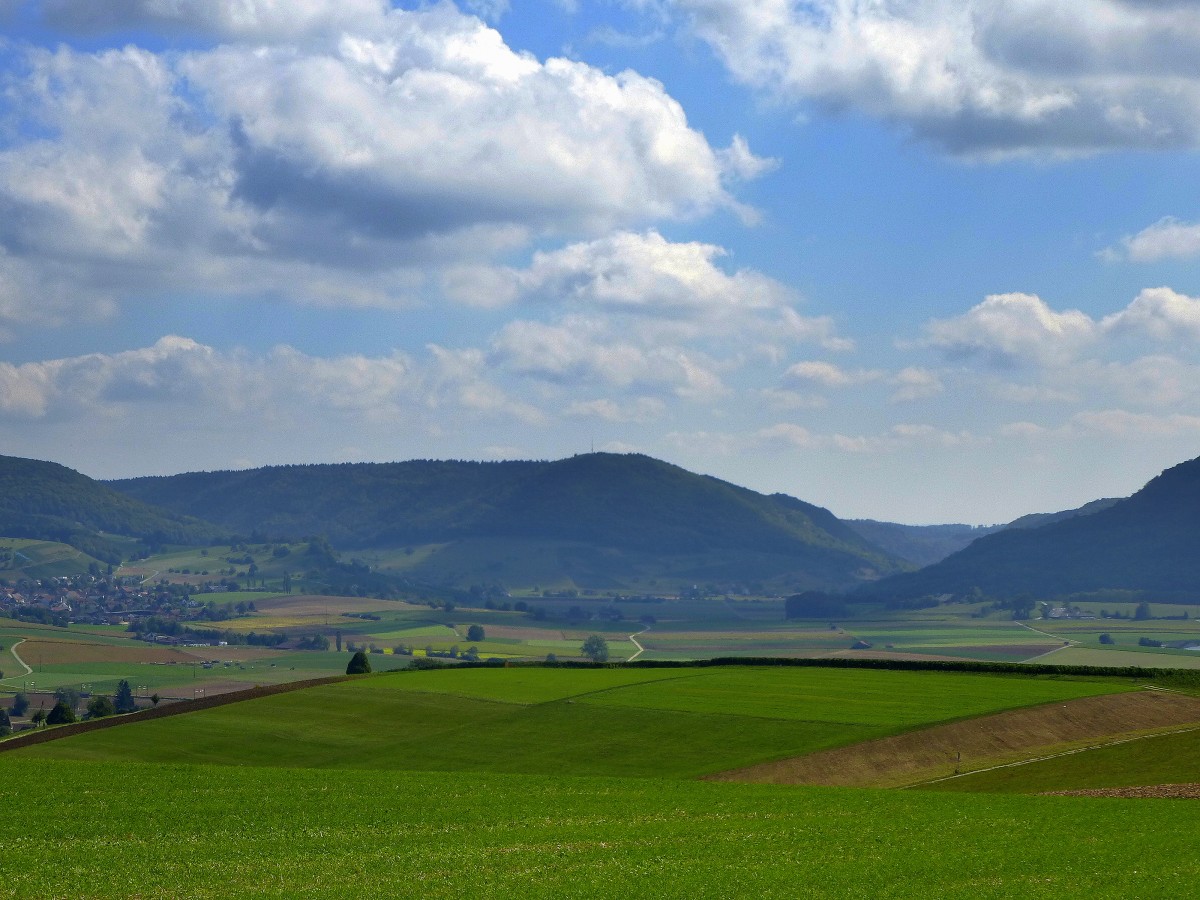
(331, 152)
(976, 77)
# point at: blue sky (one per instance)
(915, 260)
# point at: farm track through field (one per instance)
(633, 640)
(975, 744)
(17, 657)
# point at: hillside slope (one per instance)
(1144, 542)
(631, 503)
(46, 501)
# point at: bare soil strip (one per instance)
(50, 652)
(943, 750)
(1189, 791)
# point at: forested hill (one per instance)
(46, 501)
(1145, 542)
(630, 502)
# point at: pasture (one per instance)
(553, 782)
(279, 833)
(676, 723)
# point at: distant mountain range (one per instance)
(606, 520)
(1146, 542)
(636, 514)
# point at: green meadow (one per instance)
(675, 723)
(159, 831)
(566, 782)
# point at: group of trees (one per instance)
(66, 704)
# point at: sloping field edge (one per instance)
(929, 754)
(42, 735)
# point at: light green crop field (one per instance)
(860, 697)
(1159, 759)
(643, 722)
(1088, 655)
(153, 831)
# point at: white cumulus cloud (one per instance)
(1167, 238)
(326, 152)
(976, 77)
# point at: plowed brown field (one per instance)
(918, 756)
(37, 652)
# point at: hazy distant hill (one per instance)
(46, 501)
(1145, 542)
(921, 545)
(639, 507)
(1037, 520)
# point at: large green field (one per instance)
(156, 831)
(644, 722)
(566, 782)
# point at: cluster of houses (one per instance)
(89, 600)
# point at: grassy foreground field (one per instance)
(201, 831)
(565, 782)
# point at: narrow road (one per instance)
(1046, 633)
(16, 656)
(1068, 642)
(640, 649)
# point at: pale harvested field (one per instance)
(38, 652)
(930, 753)
(315, 605)
(890, 654)
(520, 633)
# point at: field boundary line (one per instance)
(1025, 762)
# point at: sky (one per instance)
(914, 260)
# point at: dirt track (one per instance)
(935, 752)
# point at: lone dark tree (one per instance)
(123, 702)
(62, 714)
(475, 633)
(360, 664)
(100, 706)
(1142, 612)
(5, 723)
(20, 703)
(595, 648)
